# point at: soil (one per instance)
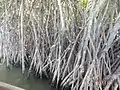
(4, 88)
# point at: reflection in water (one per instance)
(15, 77)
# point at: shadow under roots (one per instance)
(47, 75)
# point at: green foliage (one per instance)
(83, 3)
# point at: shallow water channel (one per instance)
(15, 77)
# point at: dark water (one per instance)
(15, 77)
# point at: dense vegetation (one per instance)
(74, 42)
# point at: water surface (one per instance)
(15, 77)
